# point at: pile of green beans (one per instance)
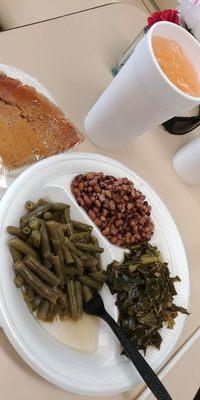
(57, 261)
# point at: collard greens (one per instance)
(145, 295)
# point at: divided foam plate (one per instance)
(104, 372)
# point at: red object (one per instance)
(166, 15)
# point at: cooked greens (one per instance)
(145, 294)
(57, 261)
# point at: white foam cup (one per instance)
(186, 162)
(141, 96)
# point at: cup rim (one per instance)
(190, 37)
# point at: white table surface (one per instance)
(17, 13)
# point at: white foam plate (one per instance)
(103, 372)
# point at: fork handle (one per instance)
(146, 372)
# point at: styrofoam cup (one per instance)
(141, 96)
(186, 162)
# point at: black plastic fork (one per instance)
(95, 306)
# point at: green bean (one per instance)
(95, 241)
(86, 280)
(23, 247)
(13, 230)
(35, 303)
(78, 263)
(41, 202)
(52, 229)
(58, 217)
(26, 230)
(90, 268)
(65, 251)
(19, 281)
(28, 293)
(36, 283)
(61, 234)
(52, 313)
(55, 207)
(63, 226)
(78, 236)
(72, 271)
(67, 213)
(55, 260)
(89, 247)
(30, 206)
(87, 293)
(98, 258)
(29, 296)
(70, 229)
(64, 312)
(67, 255)
(16, 255)
(62, 298)
(79, 226)
(58, 206)
(57, 224)
(48, 216)
(98, 276)
(75, 299)
(72, 248)
(43, 310)
(45, 247)
(67, 221)
(90, 262)
(57, 245)
(34, 223)
(34, 239)
(42, 271)
(38, 212)
(30, 305)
